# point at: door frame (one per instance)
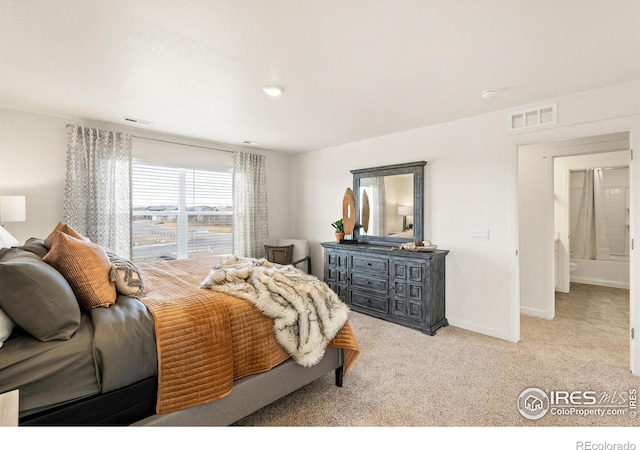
(630, 125)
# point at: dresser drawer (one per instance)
(369, 301)
(370, 282)
(379, 266)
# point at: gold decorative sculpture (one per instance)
(349, 211)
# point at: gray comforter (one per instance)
(112, 348)
(124, 344)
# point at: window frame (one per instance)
(183, 212)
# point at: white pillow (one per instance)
(6, 240)
(6, 327)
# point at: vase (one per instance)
(339, 237)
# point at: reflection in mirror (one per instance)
(389, 203)
(365, 211)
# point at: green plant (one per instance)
(338, 225)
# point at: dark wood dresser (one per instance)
(400, 286)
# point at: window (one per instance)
(180, 213)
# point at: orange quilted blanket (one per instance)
(207, 339)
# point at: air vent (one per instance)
(532, 118)
(134, 120)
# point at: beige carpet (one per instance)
(461, 378)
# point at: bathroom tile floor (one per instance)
(597, 307)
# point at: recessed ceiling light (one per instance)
(273, 91)
(489, 93)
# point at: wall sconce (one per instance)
(13, 208)
(405, 211)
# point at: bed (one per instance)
(176, 346)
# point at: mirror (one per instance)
(389, 203)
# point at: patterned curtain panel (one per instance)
(378, 222)
(97, 201)
(250, 229)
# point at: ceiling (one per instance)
(351, 69)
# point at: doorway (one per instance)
(592, 212)
(537, 219)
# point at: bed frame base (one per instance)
(251, 393)
(135, 404)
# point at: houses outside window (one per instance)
(180, 213)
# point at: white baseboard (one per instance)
(493, 332)
(600, 282)
(539, 313)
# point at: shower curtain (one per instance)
(591, 239)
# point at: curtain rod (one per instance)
(179, 143)
(602, 168)
(173, 142)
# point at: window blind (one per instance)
(180, 212)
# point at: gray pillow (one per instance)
(35, 245)
(37, 297)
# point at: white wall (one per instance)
(471, 185)
(32, 163)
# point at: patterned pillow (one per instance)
(66, 229)
(126, 275)
(282, 254)
(86, 267)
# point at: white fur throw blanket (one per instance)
(307, 313)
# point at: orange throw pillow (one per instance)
(66, 229)
(86, 267)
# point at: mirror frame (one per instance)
(415, 168)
